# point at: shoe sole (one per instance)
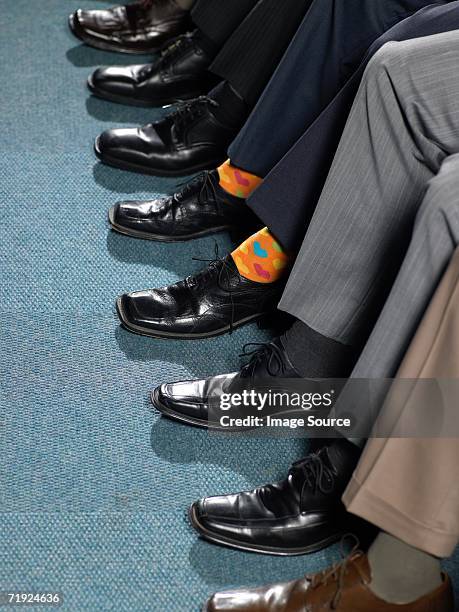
(105, 46)
(264, 550)
(132, 233)
(133, 102)
(176, 336)
(111, 161)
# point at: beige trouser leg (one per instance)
(409, 487)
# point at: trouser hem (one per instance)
(382, 513)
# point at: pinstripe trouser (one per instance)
(435, 240)
(252, 36)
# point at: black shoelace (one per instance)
(204, 185)
(187, 112)
(225, 274)
(175, 48)
(167, 55)
(263, 352)
(338, 571)
(317, 475)
(313, 473)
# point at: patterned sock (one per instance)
(261, 258)
(237, 182)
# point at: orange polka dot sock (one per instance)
(261, 258)
(237, 182)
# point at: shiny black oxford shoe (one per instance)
(189, 401)
(299, 515)
(180, 73)
(210, 303)
(189, 140)
(138, 27)
(200, 208)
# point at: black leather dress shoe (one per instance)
(189, 401)
(211, 303)
(299, 515)
(139, 27)
(188, 140)
(179, 74)
(202, 207)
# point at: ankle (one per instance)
(205, 43)
(315, 355)
(261, 259)
(401, 573)
(232, 109)
(237, 182)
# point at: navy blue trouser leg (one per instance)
(250, 56)
(218, 19)
(327, 48)
(286, 200)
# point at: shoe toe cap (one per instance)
(183, 398)
(146, 311)
(125, 215)
(99, 80)
(115, 142)
(218, 508)
(133, 308)
(113, 138)
(127, 146)
(113, 215)
(79, 18)
(101, 22)
(234, 601)
(218, 517)
(123, 219)
(126, 309)
(74, 20)
(161, 396)
(91, 20)
(132, 305)
(115, 80)
(128, 212)
(106, 142)
(220, 602)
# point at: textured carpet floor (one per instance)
(93, 484)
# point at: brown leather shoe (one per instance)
(343, 588)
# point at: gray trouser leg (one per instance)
(435, 238)
(403, 124)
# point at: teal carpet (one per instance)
(94, 486)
